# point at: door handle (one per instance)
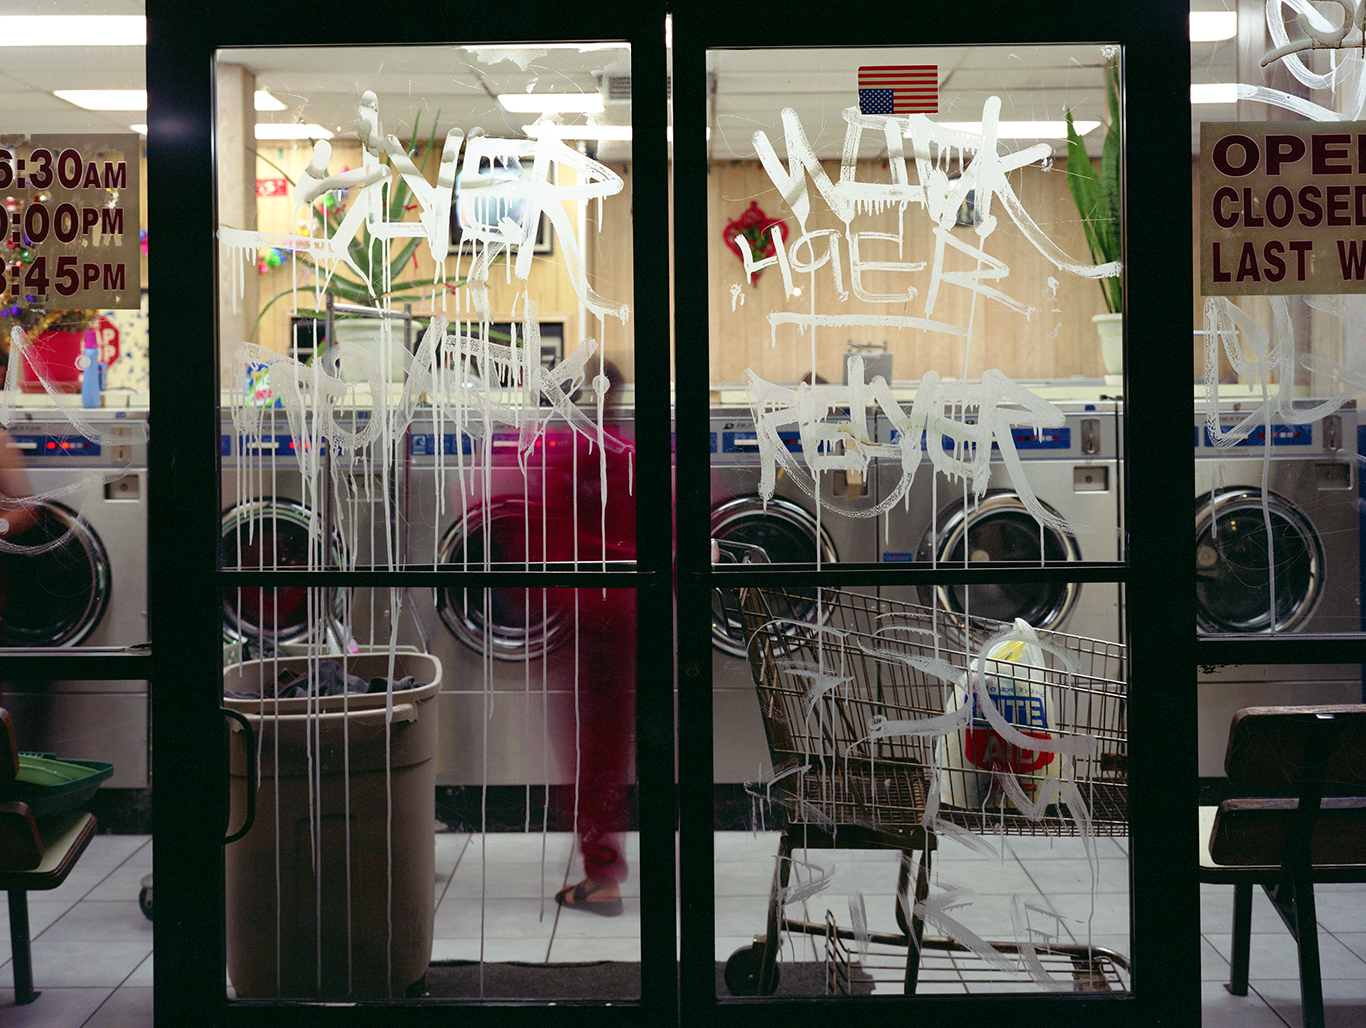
(251, 774)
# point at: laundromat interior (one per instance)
(675, 514)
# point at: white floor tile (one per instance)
(105, 921)
(113, 850)
(520, 847)
(743, 878)
(1052, 876)
(126, 1008)
(504, 880)
(55, 1008)
(574, 950)
(121, 883)
(745, 846)
(1275, 956)
(493, 950)
(1344, 1002)
(576, 926)
(499, 919)
(1219, 1009)
(75, 964)
(1354, 941)
(741, 915)
(142, 975)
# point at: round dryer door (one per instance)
(787, 532)
(270, 534)
(1234, 569)
(508, 623)
(55, 587)
(1001, 529)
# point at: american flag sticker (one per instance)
(898, 89)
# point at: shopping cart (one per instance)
(890, 725)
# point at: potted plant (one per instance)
(1096, 195)
(380, 284)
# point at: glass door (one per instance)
(921, 465)
(423, 557)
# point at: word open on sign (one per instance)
(1283, 208)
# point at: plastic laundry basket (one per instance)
(339, 777)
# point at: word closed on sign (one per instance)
(1283, 207)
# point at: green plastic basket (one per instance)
(51, 786)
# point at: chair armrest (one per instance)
(65, 838)
(21, 844)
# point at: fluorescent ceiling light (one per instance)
(105, 99)
(551, 103)
(265, 102)
(74, 30)
(1213, 26)
(291, 130)
(1214, 92)
(139, 129)
(1023, 129)
(547, 128)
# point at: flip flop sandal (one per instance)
(575, 897)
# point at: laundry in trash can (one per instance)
(326, 678)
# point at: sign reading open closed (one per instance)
(1283, 207)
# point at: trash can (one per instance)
(329, 894)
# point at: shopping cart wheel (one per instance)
(145, 897)
(742, 970)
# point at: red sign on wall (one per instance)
(107, 336)
(272, 187)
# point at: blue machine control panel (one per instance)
(1281, 435)
(40, 446)
(428, 444)
(746, 441)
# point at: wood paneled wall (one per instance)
(1054, 340)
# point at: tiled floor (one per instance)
(92, 947)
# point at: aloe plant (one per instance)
(327, 215)
(1096, 193)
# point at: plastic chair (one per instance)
(35, 854)
(1288, 845)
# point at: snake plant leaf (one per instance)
(1096, 194)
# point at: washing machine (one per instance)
(791, 527)
(83, 583)
(500, 648)
(1278, 507)
(272, 519)
(1072, 470)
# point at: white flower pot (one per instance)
(1110, 328)
(367, 333)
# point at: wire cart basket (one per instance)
(891, 724)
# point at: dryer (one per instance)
(83, 583)
(791, 527)
(1300, 480)
(466, 492)
(1073, 470)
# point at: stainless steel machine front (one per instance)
(1277, 550)
(82, 583)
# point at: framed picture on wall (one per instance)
(476, 204)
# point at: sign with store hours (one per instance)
(69, 221)
(1282, 207)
